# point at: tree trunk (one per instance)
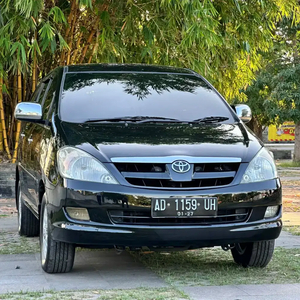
(34, 67)
(24, 88)
(3, 120)
(70, 19)
(93, 51)
(18, 122)
(14, 101)
(1, 139)
(87, 45)
(296, 157)
(256, 127)
(74, 56)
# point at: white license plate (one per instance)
(184, 207)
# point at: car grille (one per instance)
(143, 217)
(157, 175)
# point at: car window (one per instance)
(48, 99)
(36, 94)
(112, 95)
(44, 92)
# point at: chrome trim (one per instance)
(171, 159)
(213, 175)
(180, 166)
(146, 175)
(243, 111)
(164, 175)
(28, 111)
(169, 217)
(24, 169)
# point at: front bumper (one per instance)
(101, 231)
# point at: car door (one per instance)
(27, 179)
(31, 151)
(48, 137)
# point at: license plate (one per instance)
(184, 207)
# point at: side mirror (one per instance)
(28, 111)
(243, 111)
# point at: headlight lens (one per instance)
(77, 164)
(261, 168)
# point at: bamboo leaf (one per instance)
(62, 43)
(53, 45)
(58, 15)
(238, 6)
(36, 47)
(23, 54)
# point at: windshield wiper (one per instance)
(211, 119)
(116, 119)
(160, 120)
(137, 119)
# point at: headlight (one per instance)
(77, 164)
(261, 168)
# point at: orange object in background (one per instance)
(281, 133)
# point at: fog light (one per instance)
(271, 211)
(78, 213)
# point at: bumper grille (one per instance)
(158, 175)
(165, 183)
(143, 217)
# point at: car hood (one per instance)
(109, 140)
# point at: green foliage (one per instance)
(223, 40)
(274, 94)
(284, 102)
(58, 15)
(29, 29)
(256, 95)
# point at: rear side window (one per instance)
(44, 92)
(93, 96)
(36, 94)
(49, 99)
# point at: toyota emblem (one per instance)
(181, 166)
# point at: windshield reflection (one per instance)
(92, 96)
(139, 85)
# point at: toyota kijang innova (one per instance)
(138, 156)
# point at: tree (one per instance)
(284, 103)
(274, 95)
(220, 39)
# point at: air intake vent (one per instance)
(143, 217)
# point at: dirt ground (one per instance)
(290, 179)
(7, 207)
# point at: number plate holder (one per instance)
(195, 207)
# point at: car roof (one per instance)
(119, 68)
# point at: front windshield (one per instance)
(96, 96)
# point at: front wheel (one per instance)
(255, 254)
(56, 257)
(28, 224)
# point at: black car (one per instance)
(140, 156)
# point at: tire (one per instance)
(56, 257)
(28, 224)
(256, 254)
